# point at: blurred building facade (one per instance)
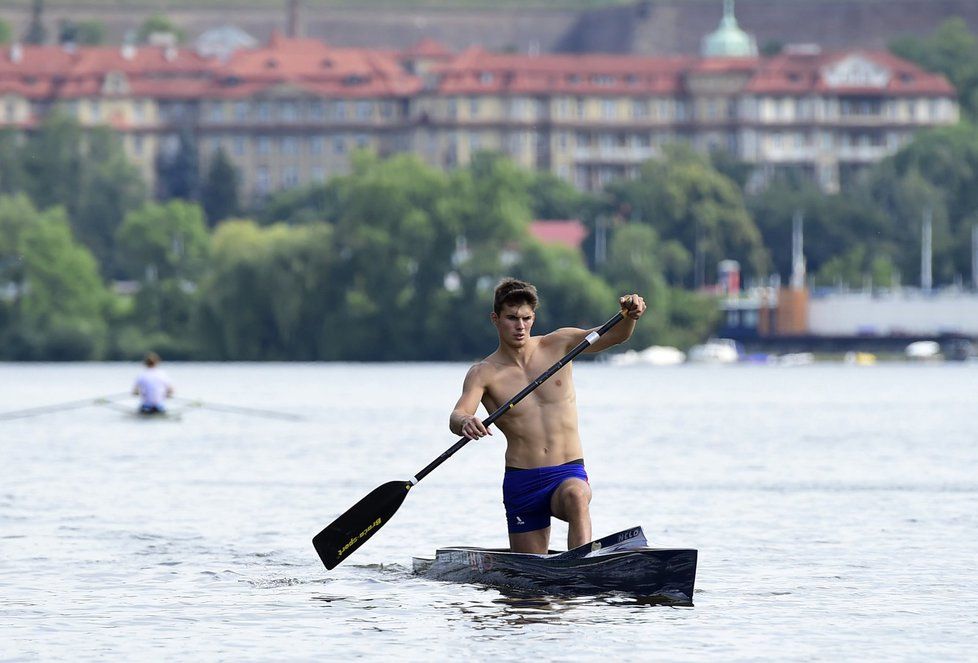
(291, 111)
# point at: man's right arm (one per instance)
(463, 420)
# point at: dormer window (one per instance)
(271, 63)
(486, 77)
(354, 79)
(326, 63)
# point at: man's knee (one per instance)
(573, 497)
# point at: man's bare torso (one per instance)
(542, 429)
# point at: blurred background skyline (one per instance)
(322, 181)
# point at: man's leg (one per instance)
(537, 541)
(570, 502)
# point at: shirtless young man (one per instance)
(544, 460)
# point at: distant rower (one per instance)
(152, 386)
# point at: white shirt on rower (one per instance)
(153, 385)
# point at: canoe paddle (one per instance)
(351, 530)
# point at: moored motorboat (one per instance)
(621, 562)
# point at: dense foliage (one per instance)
(397, 260)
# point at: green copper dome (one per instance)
(728, 40)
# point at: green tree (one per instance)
(36, 32)
(85, 33)
(935, 172)
(269, 294)
(6, 33)
(951, 50)
(832, 224)
(688, 201)
(219, 195)
(56, 311)
(165, 247)
(159, 24)
(178, 171)
(111, 187)
(166, 240)
(554, 198)
(12, 176)
(88, 173)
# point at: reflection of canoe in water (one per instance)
(621, 562)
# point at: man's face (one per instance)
(513, 323)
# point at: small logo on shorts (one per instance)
(519, 521)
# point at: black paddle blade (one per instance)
(359, 523)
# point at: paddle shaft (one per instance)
(566, 359)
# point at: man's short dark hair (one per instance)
(512, 291)
(151, 359)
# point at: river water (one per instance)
(835, 510)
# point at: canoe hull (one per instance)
(636, 569)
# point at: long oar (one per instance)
(59, 407)
(363, 519)
(235, 409)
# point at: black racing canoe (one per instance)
(621, 562)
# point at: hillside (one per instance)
(655, 27)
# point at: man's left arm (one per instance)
(632, 307)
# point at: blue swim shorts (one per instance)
(527, 493)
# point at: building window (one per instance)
(264, 112)
(139, 111)
(609, 109)
(290, 177)
(339, 145)
(239, 146)
(317, 111)
(137, 145)
(640, 109)
(289, 111)
(290, 145)
(451, 109)
(474, 107)
(241, 111)
(680, 110)
(264, 145)
(362, 140)
(263, 180)
(365, 110)
(517, 108)
(317, 145)
(581, 108)
(217, 112)
(96, 108)
(339, 110)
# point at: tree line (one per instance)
(397, 260)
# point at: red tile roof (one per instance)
(567, 233)
(476, 71)
(796, 73)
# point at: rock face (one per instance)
(652, 27)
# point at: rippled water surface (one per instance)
(835, 510)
